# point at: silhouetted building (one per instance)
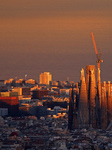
(109, 103)
(71, 110)
(11, 103)
(38, 94)
(76, 107)
(104, 107)
(25, 91)
(2, 82)
(3, 111)
(98, 100)
(37, 111)
(93, 104)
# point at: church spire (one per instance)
(83, 116)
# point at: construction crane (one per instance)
(99, 60)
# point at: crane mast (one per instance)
(98, 56)
(99, 60)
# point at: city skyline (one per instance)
(54, 36)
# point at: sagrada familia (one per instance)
(92, 106)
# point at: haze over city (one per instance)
(54, 36)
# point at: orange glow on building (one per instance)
(45, 78)
(9, 100)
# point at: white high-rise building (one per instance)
(45, 78)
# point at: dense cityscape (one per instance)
(55, 76)
(56, 115)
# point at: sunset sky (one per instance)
(54, 36)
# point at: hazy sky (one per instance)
(55, 36)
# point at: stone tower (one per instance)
(98, 101)
(88, 77)
(104, 107)
(71, 110)
(83, 113)
(92, 99)
(109, 103)
(76, 107)
(99, 86)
